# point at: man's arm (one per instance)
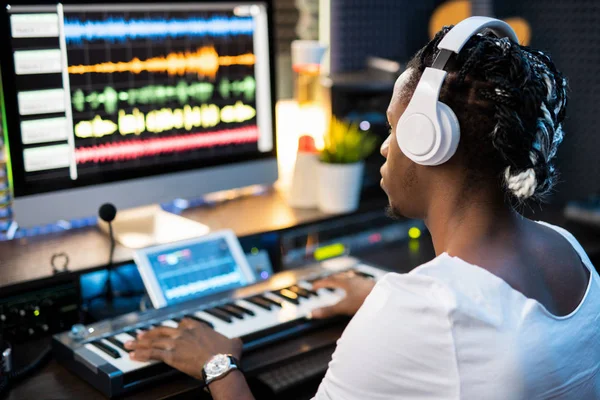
(232, 387)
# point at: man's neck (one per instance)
(456, 225)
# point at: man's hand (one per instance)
(186, 348)
(357, 289)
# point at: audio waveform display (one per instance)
(246, 86)
(137, 148)
(183, 92)
(121, 29)
(205, 62)
(164, 120)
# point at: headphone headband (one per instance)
(460, 34)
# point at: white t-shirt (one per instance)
(452, 330)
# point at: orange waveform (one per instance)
(205, 62)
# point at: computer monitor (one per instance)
(134, 103)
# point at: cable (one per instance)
(27, 370)
(11, 378)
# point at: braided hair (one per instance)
(510, 101)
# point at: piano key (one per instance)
(217, 323)
(363, 274)
(177, 319)
(170, 323)
(274, 301)
(124, 337)
(145, 328)
(107, 349)
(241, 309)
(133, 333)
(231, 311)
(260, 303)
(219, 314)
(306, 285)
(117, 343)
(287, 295)
(195, 318)
(301, 291)
(123, 363)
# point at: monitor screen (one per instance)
(188, 270)
(108, 92)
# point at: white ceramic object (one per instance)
(339, 187)
(303, 191)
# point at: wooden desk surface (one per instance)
(29, 258)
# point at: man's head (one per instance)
(510, 102)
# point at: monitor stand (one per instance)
(146, 226)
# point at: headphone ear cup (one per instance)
(450, 134)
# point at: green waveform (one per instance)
(246, 87)
(183, 92)
(165, 119)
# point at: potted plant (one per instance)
(341, 166)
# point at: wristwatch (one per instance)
(217, 367)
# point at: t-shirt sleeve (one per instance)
(398, 345)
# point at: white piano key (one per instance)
(376, 272)
(170, 323)
(123, 363)
(218, 325)
(124, 337)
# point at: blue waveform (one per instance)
(120, 29)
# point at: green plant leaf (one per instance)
(346, 143)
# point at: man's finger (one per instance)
(152, 354)
(329, 282)
(188, 323)
(161, 331)
(144, 343)
(325, 312)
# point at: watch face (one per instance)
(217, 365)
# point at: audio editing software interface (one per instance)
(196, 270)
(128, 90)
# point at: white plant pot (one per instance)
(339, 187)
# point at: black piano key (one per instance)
(276, 303)
(177, 319)
(287, 295)
(132, 333)
(117, 343)
(364, 274)
(300, 291)
(260, 303)
(191, 316)
(219, 314)
(241, 309)
(231, 311)
(106, 349)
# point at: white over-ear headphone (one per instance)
(428, 131)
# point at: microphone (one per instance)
(107, 213)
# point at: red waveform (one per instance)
(132, 149)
